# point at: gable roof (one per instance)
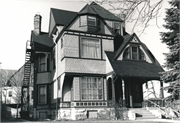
(87, 10)
(127, 38)
(130, 68)
(60, 17)
(63, 17)
(102, 12)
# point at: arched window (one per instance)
(134, 53)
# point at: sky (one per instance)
(16, 23)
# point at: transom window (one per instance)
(91, 88)
(134, 53)
(88, 20)
(42, 94)
(90, 48)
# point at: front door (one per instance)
(136, 91)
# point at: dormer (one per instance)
(89, 19)
(132, 49)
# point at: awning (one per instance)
(134, 69)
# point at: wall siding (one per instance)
(107, 45)
(85, 66)
(76, 88)
(71, 46)
(76, 26)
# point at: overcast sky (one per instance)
(16, 23)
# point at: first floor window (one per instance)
(42, 94)
(91, 88)
(90, 48)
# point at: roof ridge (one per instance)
(64, 10)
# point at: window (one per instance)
(89, 21)
(134, 53)
(42, 94)
(90, 48)
(10, 93)
(91, 88)
(42, 63)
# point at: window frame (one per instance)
(87, 19)
(89, 38)
(10, 93)
(43, 63)
(45, 86)
(97, 89)
(130, 53)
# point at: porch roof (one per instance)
(132, 68)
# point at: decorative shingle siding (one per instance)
(107, 45)
(105, 89)
(76, 88)
(71, 45)
(85, 66)
(76, 26)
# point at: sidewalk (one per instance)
(95, 121)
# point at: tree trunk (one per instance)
(17, 111)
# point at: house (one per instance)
(11, 92)
(86, 63)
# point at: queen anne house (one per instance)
(87, 62)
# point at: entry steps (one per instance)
(142, 113)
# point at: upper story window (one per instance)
(134, 53)
(87, 20)
(91, 88)
(90, 48)
(42, 63)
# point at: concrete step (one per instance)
(142, 113)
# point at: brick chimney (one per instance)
(37, 24)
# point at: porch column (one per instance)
(161, 90)
(147, 90)
(130, 95)
(123, 92)
(113, 92)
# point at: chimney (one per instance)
(37, 24)
(0, 65)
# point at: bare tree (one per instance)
(137, 12)
(150, 90)
(15, 81)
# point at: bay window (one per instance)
(42, 94)
(90, 48)
(91, 88)
(134, 53)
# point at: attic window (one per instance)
(86, 20)
(134, 53)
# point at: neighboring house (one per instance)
(87, 62)
(12, 92)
